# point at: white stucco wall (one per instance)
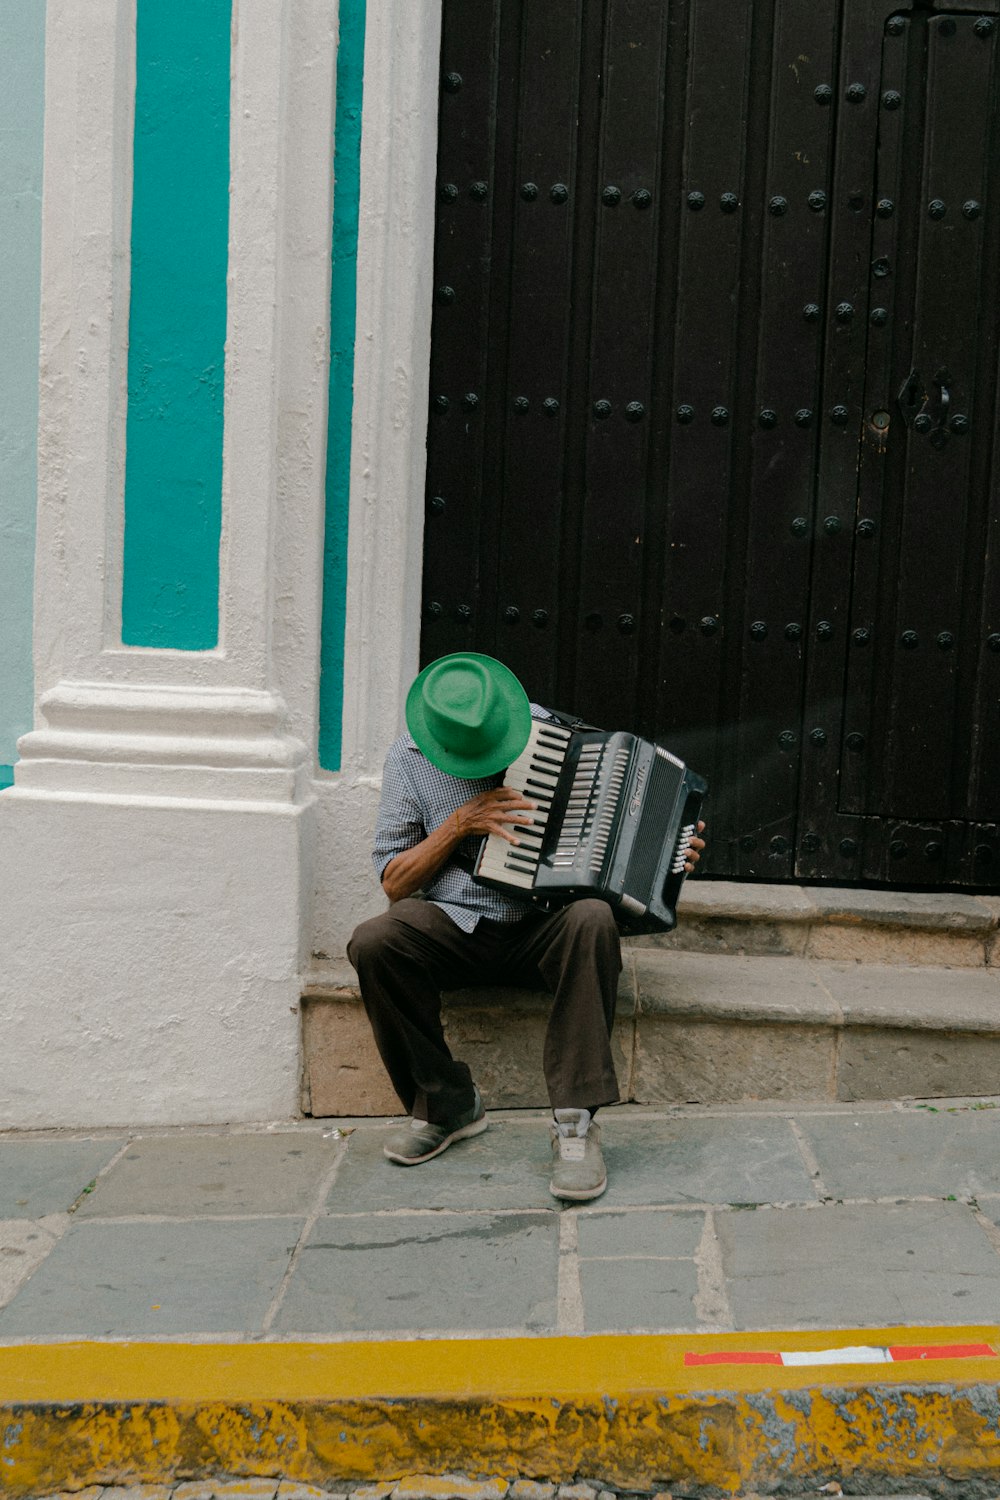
(161, 821)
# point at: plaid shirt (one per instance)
(416, 799)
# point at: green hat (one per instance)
(468, 714)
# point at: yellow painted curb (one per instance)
(627, 1408)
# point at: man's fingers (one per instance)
(695, 845)
(519, 814)
(505, 833)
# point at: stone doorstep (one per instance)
(696, 1028)
(947, 929)
(872, 926)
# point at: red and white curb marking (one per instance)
(853, 1354)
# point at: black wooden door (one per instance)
(714, 405)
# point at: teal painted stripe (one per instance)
(6, 777)
(177, 325)
(22, 108)
(343, 308)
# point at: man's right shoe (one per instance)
(419, 1140)
(578, 1171)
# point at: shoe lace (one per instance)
(572, 1122)
(572, 1127)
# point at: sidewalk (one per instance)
(727, 1235)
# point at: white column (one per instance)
(161, 822)
(385, 539)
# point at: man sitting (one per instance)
(468, 719)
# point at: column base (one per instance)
(159, 885)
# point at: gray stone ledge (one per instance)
(734, 901)
(510, 1000)
(822, 922)
(722, 987)
(949, 911)
(327, 975)
(725, 987)
(817, 992)
(748, 902)
(916, 999)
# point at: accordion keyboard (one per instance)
(535, 775)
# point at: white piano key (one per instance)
(535, 774)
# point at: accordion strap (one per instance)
(571, 721)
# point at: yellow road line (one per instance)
(623, 1407)
(612, 1365)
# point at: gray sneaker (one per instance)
(419, 1140)
(578, 1170)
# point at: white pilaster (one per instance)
(161, 822)
(392, 348)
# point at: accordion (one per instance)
(613, 819)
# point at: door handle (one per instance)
(941, 433)
(945, 401)
(921, 411)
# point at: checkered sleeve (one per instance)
(417, 797)
(400, 822)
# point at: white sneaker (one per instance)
(578, 1170)
(418, 1140)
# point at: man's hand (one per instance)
(498, 811)
(694, 848)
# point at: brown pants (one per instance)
(413, 951)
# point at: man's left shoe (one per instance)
(578, 1170)
(419, 1140)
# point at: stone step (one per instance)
(874, 926)
(696, 1027)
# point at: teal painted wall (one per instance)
(177, 325)
(343, 303)
(22, 79)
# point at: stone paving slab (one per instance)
(915, 1263)
(24, 1244)
(41, 1177)
(648, 1294)
(919, 1153)
(640, 1266)
(107, 1279)
(507, 1166)
(703, 1160)
(205, 1174)
(663, 1233)
(425, 1271)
